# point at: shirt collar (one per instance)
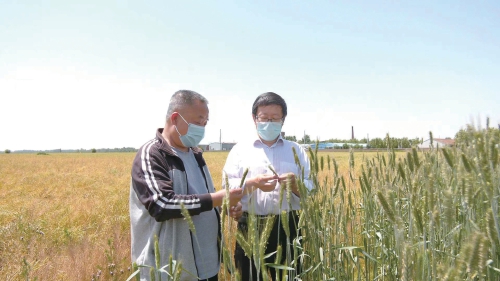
(258, 142)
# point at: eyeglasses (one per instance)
(265, 119)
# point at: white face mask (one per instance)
(193, 136)
(269, 131)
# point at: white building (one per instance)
(437, 142)
(221, 146)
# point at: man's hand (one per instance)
(265, 183)
(236, 211)
(285, 178)
(234, 197)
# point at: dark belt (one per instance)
(244, 217)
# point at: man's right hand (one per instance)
(265, 183)
(234, 197)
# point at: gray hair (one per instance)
(183, 98)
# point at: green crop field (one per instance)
(409, 215)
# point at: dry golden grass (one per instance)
(57, 213)
(65, 216)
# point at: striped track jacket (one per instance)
(157, 191)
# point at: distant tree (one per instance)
(465, 136)
(7, 151)
(305, 139)
(405, 143)
(291, 138)
(469, 134)
(94, 150)
(414, 142)
(377, 143)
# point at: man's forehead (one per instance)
(272, 108)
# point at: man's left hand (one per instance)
(289, 177)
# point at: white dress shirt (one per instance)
(257, 156)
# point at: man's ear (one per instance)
(173, 117)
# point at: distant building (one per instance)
(306, 146)
(221, 146)
(336, 145)
(204, 147)
(437, 142)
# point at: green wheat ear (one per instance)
(386, 206)
(187, 217)
(157, 253)
(466, 162)
(244, 176)
(244, 244)
(284, 222)
(152, 274)
(415, 157)
(448, 157)
(265, 233)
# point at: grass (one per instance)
(372, 216)
(64, 216)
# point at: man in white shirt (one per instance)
(263, 155)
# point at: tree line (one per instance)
(370, 143)
(81, 150)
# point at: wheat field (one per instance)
(407, 215)
(65, 216)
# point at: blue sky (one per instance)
(95, 74)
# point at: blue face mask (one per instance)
(193, 136)
(269, 131)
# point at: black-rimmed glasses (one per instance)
(265, 119)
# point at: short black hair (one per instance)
(269, 98)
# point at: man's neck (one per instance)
(268, 143)
(171, 142)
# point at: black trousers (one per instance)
(247, 270)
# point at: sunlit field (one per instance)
(406, 215)
(65, 216)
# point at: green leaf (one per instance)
(368, 256)
(133, 275)
(270, 254)
(279, 266)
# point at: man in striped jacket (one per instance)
(169, 177)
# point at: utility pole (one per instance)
(220, 139)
